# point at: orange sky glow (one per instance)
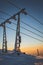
(30, 50)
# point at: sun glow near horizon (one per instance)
(30, 50)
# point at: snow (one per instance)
(39, 57)
(22, 59)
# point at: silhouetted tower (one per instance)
(37, 52)
(18, 37)
(4, 44)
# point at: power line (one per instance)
(26, 24)
(32, 37)
(2, 18)
(26, 34)
(27, 13)
(29, 35)
(32, 32)
(35, 18)
(13, 4)
(32, 27)
(21, 11)
(28, 30)
(5, 12)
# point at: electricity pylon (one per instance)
(18, 37)
(4, 44)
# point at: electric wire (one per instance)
(2, 18)
(5, 13)
(13, 4)
(27, 13)
(26, 34)
(28, 30)
(35, 18)
(32, 37)
(29, 25)
(32, 27)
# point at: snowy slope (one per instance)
(22, 59)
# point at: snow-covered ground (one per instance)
(22, 59)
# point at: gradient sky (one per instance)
(33, 7)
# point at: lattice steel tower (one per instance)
(4, 44)
(18, 37)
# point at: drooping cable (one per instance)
(26, 34)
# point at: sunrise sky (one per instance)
(33, 7)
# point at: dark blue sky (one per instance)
(33, 7)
